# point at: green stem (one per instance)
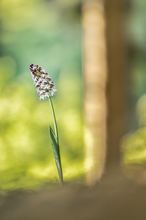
(55, 121)
(57, 136)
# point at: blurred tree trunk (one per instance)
(117, 82)
(95, 88)
(103, 134)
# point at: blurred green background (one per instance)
(134, 143)
(47, 33)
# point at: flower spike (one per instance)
(44, 84)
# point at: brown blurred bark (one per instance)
(117, 82)
(104, 147)
(95, 87)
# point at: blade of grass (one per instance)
(56, 152)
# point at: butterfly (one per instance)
(36, 70)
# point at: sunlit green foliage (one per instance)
(26, 155)
(134, 144)
(33, 32)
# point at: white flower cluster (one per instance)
(44, 85)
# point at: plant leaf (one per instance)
(56, 152)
